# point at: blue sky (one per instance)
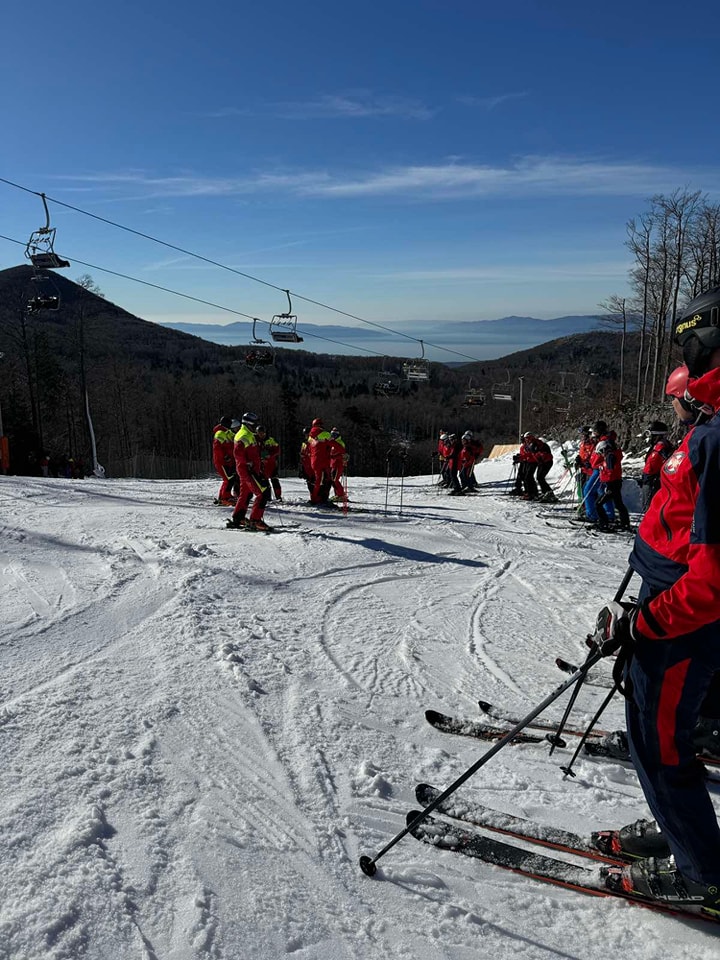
(407, 162)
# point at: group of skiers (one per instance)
(323, 462)
(532, 464)
(599, 466)
(457, 457)
(247, 459)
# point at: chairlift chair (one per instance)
(502, 390)
(386, 385)
(45, 295)
(259, 355)
(475, 397)
(417, 370)
(283, 326)
(39, 248)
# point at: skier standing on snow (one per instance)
(305, 465)
(674, 636)
(223, 460)
(544, 460)
(319, 442)
(453, 448)
(269, 456)
(443, 450)
(470, 452)
(660, 449)
(607, 459)
(338, 461)
(582, 461)
(252, 482)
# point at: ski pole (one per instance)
(555, 738)
(568, 770)
(368, 865)
(387, 479)
(402, 483)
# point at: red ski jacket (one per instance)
(677, 547)
(247, 454)
(319, 443)
(657, 457)
(609, 463)
(584, 456)
(222, 450)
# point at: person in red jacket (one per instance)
(269, 456)
(607, 458)
(582, 461)
(542, 455)
(338, 462)
(305, 471)
(661, 448)
(319, 442)
(470, 453)
(453, 448)
(675, 634)
(443, 451)
(252, 482)
(224, 461)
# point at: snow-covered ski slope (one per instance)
(201, 730)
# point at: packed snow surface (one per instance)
(201, 730)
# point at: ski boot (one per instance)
(236, 523)
(259, 526)
(660, 880)
(614, 746)
(636, 841)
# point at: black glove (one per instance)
(640, 481)
(516, 458)
(578, 463)
(614, 627)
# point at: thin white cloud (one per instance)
(491, 103)
(349, 106)
(525, 177)
(338, 106)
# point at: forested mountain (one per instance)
(154, 393)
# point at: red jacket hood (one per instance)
(706, 389)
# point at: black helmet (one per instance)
(657, 427)
(697, 331)
(226, 422)
(599, 428)
(250, 419)
(584, 429)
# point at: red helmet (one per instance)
(677, 382)
(317, 422)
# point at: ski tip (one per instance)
(432, 716)
(411, 816)
(484, 705)
(424, 793)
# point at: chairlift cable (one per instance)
(207, 303)
(247, 276)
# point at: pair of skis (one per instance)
(479, 730)
(463, 836)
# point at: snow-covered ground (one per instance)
(201, 730)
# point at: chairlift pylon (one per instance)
(417, 370)
(39, 248)
(283, 326)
